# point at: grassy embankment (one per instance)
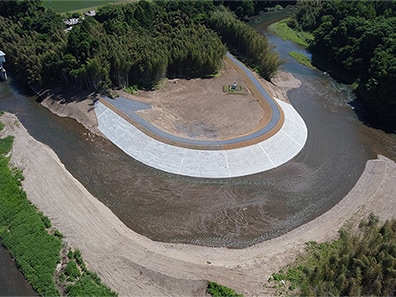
(35, 245)
(302, 38)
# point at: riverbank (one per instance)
(129, 262)
(66, 101)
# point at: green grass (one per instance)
(301, 58)
(229, 90)
(131, 89)
(34, 243)
(23, 230)
(217, 290)
(282, 30)
(63, 6)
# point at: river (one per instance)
(235, 212)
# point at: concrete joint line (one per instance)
(122, 134)
(300, 145)
(295, 122)
(103, 112)
(226, 161)
(265, 153)
(181, 162)
(144, 149)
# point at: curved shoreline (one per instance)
(129, 262)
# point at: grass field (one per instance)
(301, 58)
(63, 6)
(282, 30)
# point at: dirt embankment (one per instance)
(76, 104)
(134, 265)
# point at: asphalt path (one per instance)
(129, 107)
(172, 153)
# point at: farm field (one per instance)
(63, 6)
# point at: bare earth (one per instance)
(189, 108)
(134, 265)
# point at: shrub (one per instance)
(58, 234)
(72, 270)
(360, 262)
(217, 290)
(45, 220)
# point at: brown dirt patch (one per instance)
(198, 108)
(65, 101)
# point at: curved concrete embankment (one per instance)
(273, 144)
(265, 155)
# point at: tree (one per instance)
(360, 262)
(355, 42)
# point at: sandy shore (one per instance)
(134, 265)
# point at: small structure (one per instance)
(234, 86)
(90, 13)
(234, 89)
(3, 72)
(71, 22)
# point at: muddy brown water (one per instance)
(235, 212)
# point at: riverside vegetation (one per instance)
(361, 262)
(355, 41)
(51, 267)
(137, 43)
(35, 245)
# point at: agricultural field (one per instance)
(63, 6)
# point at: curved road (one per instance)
(154, 147)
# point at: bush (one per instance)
(72, 270)
(360, 262)
(89, 286)
(79, 260)
(45, 220)
(58, 234)
(217, 290)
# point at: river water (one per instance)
(235, 212)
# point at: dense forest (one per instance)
(355, 41)
(137, 43)
(361, 262)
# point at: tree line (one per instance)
(361, 262)
(136, 43)
(356, 42)
(245, 42)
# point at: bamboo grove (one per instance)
(131, 44)
(361, 262)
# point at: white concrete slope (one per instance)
(265, 155)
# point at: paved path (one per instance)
(212, 161)
(265, 155)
